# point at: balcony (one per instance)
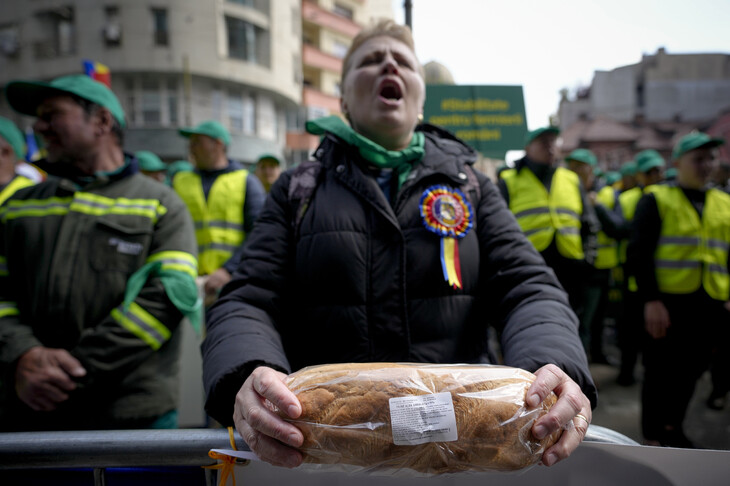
(316, 15)
(314, 97)
(313, 57)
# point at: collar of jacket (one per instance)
(445, 154)
(83, 181)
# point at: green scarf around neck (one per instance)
(402, 161)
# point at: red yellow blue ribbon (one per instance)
(447, 212)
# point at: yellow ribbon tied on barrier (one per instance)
(228, 462)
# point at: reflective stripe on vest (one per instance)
(607, 256)
(18, 182)
(693, 253)
(544, 216)
(219, 220)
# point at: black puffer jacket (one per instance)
(362, 281)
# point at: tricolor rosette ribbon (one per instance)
(447, 212)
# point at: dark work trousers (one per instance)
(630, 331)
(720, 365)
(594, 311)
(572, 275)
(673, 364)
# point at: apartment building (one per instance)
(250, 64)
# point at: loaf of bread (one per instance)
(432, 419)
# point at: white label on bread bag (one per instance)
(423, 418)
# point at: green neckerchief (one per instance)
(402, 161)
(180, 288)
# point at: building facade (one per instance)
(328, 27)
(246, 63)
(646, 105)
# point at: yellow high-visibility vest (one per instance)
(607, 256)
(544, 216)
(693, 252)
(628, 201)
(219, 220)
(18, 182)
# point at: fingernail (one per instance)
(540, 431)
(293, 411)
(550, 459)
(533, 400)
(294, 439)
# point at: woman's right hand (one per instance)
(270, 437)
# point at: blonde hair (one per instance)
(382, 28)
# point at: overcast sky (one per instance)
(549, 45)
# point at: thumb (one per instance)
(70, 365)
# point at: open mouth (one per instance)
(390, 91)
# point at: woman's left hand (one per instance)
(572, 406)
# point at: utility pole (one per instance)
(407, 6)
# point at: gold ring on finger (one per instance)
(583, 418)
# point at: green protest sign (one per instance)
(491, 119)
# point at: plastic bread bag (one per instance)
(418, 419)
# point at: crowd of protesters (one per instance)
(337, 260)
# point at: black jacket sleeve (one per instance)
(531, 309)
(646, 228)
(241, 331)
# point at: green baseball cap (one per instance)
(13, 136)
(647, 160)
(211, 128)
(179, 166)
(269, 157)
(628, 169)
(670, 174)
(536, 133)
(693, 141)
(612, 177)
(25, 96)
(149, 162)
(583, 155)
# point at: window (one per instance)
(342, 11)
(339, 49)
(260, 5)
(131, 108)
(234, 107)
(59, 33)
(112, 30)
(159, 24)
(9, 45)
(216, 102)
(249, 114)
(172, 102)
(247, 41)
(151, 102)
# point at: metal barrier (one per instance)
(145, 448)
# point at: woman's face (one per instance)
(383, 92)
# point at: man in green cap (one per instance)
(12, 151)
(552, 208)
(224, 201)
(628, 175)
(97, 268)
(268, 169)
(151, 165)
(605, 204)
(679, 253)
(649, 171)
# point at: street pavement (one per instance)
(619, 407)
